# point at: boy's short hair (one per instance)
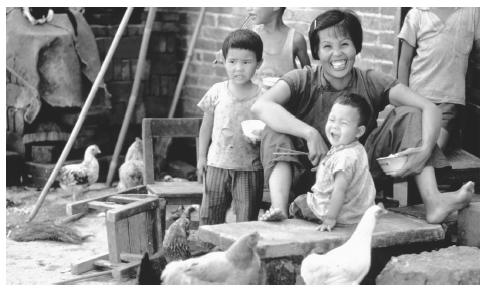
(244, 39)
(358, 102)
(344, 21)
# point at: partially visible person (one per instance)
(436, 43)
(227, 159)
(344, 188)
(297, 105)
(282, 45)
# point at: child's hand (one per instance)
(327, 225)
(201, 167)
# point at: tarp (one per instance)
(49, 59)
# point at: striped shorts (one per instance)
(244, 188)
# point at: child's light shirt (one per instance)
(352, 160)
(229, 149)
(438, 70)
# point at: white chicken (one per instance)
(131, 171)
(238, 265)
(348, 263)
(76, 178)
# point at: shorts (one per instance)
(451, 114)
(300, 210)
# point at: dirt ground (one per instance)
(47, 262)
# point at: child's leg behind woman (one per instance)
(216, 198)
(247, 191)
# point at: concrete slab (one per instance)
(296, 237)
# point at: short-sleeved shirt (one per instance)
(438, 71)
(360, 194)
(229, 149)
(311, 97)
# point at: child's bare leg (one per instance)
(279, 184)
(439, 205)
(443, 138)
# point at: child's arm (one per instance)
(405, 62)
(300, 50)
(204, 140)
(337, 200)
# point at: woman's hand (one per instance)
(416, 159)
(202, 164)
(316, 145)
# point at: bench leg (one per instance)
(400, 192)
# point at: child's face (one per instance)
(342, 125)
(261, 15)
(240, 65)
(336, 53)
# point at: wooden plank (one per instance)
(87, 264)
(136, 228)
(150, 231)
(82, 205)
(148, 153)
(103, 206)
(122, 199)
(130, 257)
(103, 263)
(160, 223)
(131, 209)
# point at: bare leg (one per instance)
(443, 139)
(439, 205)
(279, 183)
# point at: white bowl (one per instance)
(391, 163)
(253, 129)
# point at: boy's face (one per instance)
(342, 125)
(261, 15)
(336, 53)
(240, 65)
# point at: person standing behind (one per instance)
(282, 45)
(436, 43)
(228, 160)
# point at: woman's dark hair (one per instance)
(358, 102)
(344, 21)
(244, 39)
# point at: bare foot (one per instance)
(273, 214)
(449, 202)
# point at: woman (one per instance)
(295, 110)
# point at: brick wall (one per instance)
(380, 26)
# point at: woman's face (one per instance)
(336, 54)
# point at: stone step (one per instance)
(448, 266)
(295, 237)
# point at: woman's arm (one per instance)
(204, 139)
(337, 200)
(405, 62)
(269, 109)
(401, 95)
(300, 50)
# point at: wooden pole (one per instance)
(190, 50)
(133, 95)
(83, 113)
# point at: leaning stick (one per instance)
(133, 94)
(83, 113)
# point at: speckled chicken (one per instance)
(348, 263)
(76, 178)
(131, 171)
(175, 246)
(239, 264)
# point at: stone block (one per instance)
(468, 228)
(296, 237)
(448, 266)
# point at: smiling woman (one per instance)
(296, 108)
